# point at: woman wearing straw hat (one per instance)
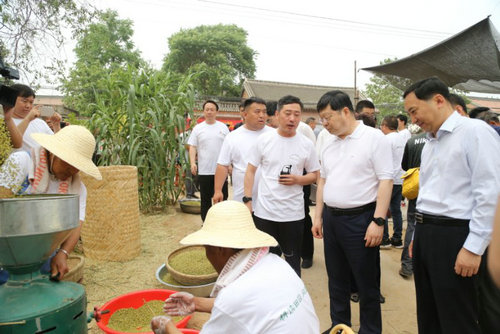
(55, 166)
(256, 292)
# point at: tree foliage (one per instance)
(33, 31)
(218, 55)
(139, 116)
(386, 92)
(104, 47)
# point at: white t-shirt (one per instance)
(323, 137)
(269, 298)
(235, 150)
(306, 131)
(35, 126)
(353, 166)
(398, 143)
(273, 154)
(406, 134)
(208, 139)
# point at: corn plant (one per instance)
(137, 120)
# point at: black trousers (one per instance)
(345, 252)
(288, 235)
(207, 192)
(446, 302)
(307, 238)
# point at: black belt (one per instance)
(351, 211)
(424, 218)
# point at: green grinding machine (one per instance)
(31, 228)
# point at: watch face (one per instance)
(379, 221)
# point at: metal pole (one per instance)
(356, 95)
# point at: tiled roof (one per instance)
(309, 94)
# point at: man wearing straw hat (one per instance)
(56, 163)
(256, 292)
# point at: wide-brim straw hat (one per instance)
(229, 224)
(73, 144)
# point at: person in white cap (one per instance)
(256, 292)
(55, 166)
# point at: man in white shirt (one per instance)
(282, 156)
(354, 190)
(256, 291)
(236, 148)
(459, 184)
(389, 127)
(205, 142)
(27, 118)
(402, 130)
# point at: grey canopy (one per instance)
(469, 60)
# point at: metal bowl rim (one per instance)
(163, 266)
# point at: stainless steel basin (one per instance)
(32, 227)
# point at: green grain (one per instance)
(138, 320)
(191, 262)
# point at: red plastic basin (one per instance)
(136, 299)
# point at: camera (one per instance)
(8, 96)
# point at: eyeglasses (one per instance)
(326, 118)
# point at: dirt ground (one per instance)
(160, 234)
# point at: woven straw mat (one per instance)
(111, 230)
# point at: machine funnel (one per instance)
(32, 227)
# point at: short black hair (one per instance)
(211, 101)
(364, 104)
(271, 107)
(251, 100)
(488, 116)
(458, 100)
(336, 99)
(391, 122)
(476, 111)
(403, 118)
(427, 88)
(368, 120)
(310, 120)
(23, 90)
(289, 99)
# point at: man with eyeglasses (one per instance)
(354, 191)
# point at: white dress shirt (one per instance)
(459, 176)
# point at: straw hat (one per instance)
(229, 224)
(73, 144)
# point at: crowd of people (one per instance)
(358, 170)
(46, 159)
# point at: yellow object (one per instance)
(343, 328)
(410, 183)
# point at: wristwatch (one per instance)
(246, 199)
(379, 221)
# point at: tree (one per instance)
(384, 92)
(33, 31)
(218, 55)
(104, 48)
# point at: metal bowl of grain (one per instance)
(164, 277)
(190, 205)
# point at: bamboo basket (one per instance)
(75, 264)
(186, 279)
(111, 230)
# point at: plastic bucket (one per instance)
(136, 299)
